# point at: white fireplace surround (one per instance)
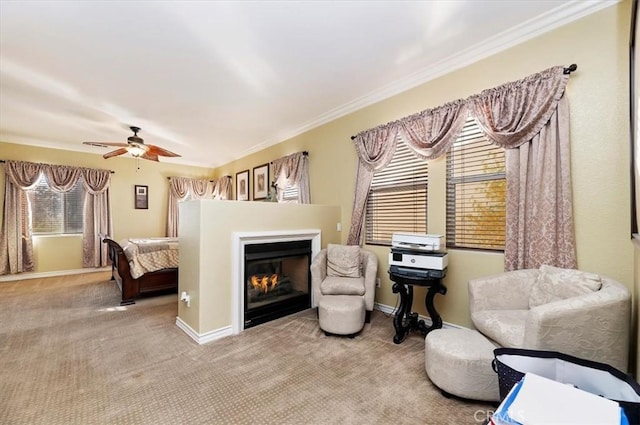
(239, 241)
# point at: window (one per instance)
(397, 198)
(54, 212)
(476, 188)
(290, 195)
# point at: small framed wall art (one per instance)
(141, 197)
(242, 185)
(260, 182)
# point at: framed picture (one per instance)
(242, 185)
(141, 197)
(260, 182)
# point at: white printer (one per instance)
(418, 251)
(417, 241)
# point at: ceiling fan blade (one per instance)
(115, 153)
(150, 157)
(158, 151)
(105, 144)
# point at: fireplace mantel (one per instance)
(212, 233)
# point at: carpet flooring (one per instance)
(69, 354)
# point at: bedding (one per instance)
(150, 254)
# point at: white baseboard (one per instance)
(227, 330)
(387, 309)
(24, 276)
(205, 337)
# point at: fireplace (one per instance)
(277, 280)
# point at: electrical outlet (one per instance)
(186, 298)
(377, 282)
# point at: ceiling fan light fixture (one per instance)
(137, 151)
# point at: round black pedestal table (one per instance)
(405, 320)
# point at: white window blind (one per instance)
(54, 212)
(290, 195)
(397, 198)
(476, 191)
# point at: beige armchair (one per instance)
(569, 311)
(343, 279)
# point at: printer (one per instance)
(417, 241)
(418, 255)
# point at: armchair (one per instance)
(343, 281)
(573, 312)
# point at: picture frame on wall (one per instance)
(242, 185)
(141, 197)
(260, 182)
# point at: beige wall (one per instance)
(58, 253)
(598, 99)
(206, 229)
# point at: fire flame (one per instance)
(262, 283)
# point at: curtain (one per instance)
(61, 178)
(16, 241)
(222, 188)
(375, 150)
(539, 199)
(292, 171)
(201, 189)
(428, 134)
(512, 114)
(96, 217)
(179, 189)
(530, 118)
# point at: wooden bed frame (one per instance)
(165, 280)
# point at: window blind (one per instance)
(56, 212)
(290, 195)
(476, 191)
(397, 198)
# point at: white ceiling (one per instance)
(217, 80)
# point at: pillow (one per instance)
(334, 285)
(343, 260)
(554, 284)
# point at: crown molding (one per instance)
(532, 28)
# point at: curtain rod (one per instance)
(567, 70)
(2, 161)
(210, 181)
(304, 153)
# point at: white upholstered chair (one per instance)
(343, 283)
(573, 312)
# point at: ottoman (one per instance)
(341, 314)
(458, 361)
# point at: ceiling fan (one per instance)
(135, 146)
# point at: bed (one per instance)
(143, 266)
